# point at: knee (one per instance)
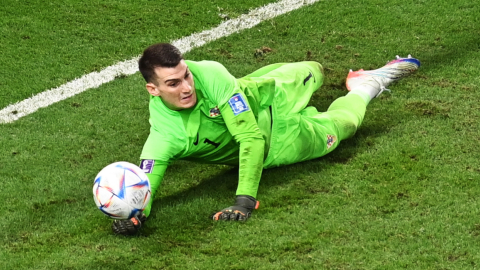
(346, 123)
(314, 66)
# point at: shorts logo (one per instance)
(238, 104)
(147, 165)
(214, 112)
(308, 78)
(331, 140)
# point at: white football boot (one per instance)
(376, 81)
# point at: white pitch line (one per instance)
(15, 111)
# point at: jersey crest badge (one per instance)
(214, 112)
(331, 140)
(238, 104)
(147, 165)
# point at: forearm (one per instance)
(250, 166)
(242, 124)
(155, 177)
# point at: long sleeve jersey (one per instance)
(222, 128)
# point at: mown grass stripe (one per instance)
(15, 111)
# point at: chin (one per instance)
(192, 103)
(188, 105)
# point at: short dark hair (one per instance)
(158, 55)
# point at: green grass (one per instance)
(401, 194)
(47, 44)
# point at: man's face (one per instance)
(174, 86)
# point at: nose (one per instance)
(186, 87)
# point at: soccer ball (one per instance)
(121, 190)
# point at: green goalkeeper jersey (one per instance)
(228, 125)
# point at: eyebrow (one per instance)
(176, 79)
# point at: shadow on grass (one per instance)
(451, 51)
(218, 190)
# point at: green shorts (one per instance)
(300, 133)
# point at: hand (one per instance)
(129, 226)
(241, 211)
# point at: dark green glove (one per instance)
(240, 211)
(129, 226)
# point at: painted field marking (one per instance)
(15, 111)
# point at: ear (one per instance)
(152, 89)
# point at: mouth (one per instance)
(187, 97)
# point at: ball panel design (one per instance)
(121, 189)
(117, 208)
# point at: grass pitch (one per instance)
(403, 193)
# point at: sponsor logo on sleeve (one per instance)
(238, 104)
(331, 140)
(147, 165)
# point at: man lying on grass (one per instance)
(200, 112)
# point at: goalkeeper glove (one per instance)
(129, 226)
(241, 211)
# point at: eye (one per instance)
(187, 75)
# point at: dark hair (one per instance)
(158, 55)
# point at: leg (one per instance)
(308, 134)
(294, 83)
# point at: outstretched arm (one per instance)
(243, 126)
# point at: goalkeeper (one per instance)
(200, 112)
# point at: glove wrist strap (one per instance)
(246, 201)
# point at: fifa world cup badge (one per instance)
(238, 104)
(147, 165)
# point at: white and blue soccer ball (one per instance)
(121, 190)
